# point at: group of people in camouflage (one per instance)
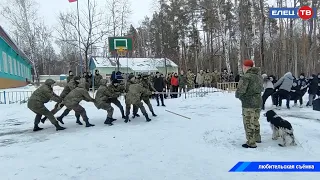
(135, 89)
(183, 82)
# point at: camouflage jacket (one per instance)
(250, 88)
(97, 78)
(136, 91)
(77, 95)
(190, 79)
(182, 80)
(225, 77)
(208, 77)
(149, 87)
(128, 85)
(215, 77)
(102, 95)
(45, 93)
(115, 91)
(68, 88)
(69, 78)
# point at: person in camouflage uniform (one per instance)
(36, 104)
(101, 101)
(133, 97)
(215, 77)
(116, 89)
(72, 100)
(132, 80)
(190, 80)
(208, 78)
(97, 78)
(146, 97)
(249, 92)
(73, 83)
(71, 76)
(182, 83)
(225, 76)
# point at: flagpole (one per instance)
(81, 63)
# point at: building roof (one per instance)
(136, 64)
(9, 41)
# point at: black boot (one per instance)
(60, 119)
(37, 128)
(108, 121)
(59, 128)
(123, 116)
(44, 119)
(127, 119)
(135, 115)
(113, 119)
(153, 114)
(163, 105)
(147, 118)
(79, 122)
(88, 124)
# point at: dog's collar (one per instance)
(276, 116)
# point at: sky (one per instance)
(49, 10)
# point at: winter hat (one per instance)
(76, 79)
(264, 76)
(248, 63)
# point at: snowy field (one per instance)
(169, 147)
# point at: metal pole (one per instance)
(81, 63)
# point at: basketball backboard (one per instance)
(120, 43)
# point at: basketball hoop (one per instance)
(122, 52)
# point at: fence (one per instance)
(228, 86)
(14, 97)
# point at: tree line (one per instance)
(195, 34)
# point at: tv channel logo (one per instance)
(304, 12)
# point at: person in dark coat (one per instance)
(113, 76)
(313, 88)
(296, 93)
(160, 86)
(302, 85)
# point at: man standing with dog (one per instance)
(249, 92)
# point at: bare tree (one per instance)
(93, 28)
(119, 11)
(22, 15)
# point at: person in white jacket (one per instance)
(268, 89)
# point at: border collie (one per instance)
(280, 128)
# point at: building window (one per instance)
(15, 66)
(5, 62)
(10, 64)
(19, 72)
(22, 68)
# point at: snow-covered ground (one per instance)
(169, 147)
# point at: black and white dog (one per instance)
(280, 128)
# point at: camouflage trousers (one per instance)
(79, 111)
(251, 125)
(148, 103)
(136, 106)
(57, 108)
(40, 109)
(108, 108)
(116, 102)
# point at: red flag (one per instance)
(72, 1)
